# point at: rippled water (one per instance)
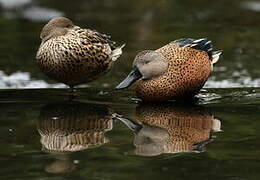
(107, 134)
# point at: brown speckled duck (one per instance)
(167, 128)
(71, 126)
(72, 55)
(177, 70)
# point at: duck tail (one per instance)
(216, 125)
(207, 46)
(215, 56)
(116, 53)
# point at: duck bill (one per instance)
(133, 76)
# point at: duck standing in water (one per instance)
(177, 70)
(72, 55)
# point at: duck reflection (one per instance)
(68, 127)
(167, 128)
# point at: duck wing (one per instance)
(202, 44)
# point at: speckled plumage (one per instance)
(186, 126)
(76, 55)
(73, 126)
(189, 63)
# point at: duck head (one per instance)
(56, 27)
(147, 65)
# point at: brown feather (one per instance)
(188, 71)
(79, 56)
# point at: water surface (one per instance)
(43, 135)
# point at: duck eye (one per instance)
(68, 26)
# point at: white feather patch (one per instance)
(199, 40)
(117, 52)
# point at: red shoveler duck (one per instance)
(177, 70)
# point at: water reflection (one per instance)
(68, 127)
(167, 128)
